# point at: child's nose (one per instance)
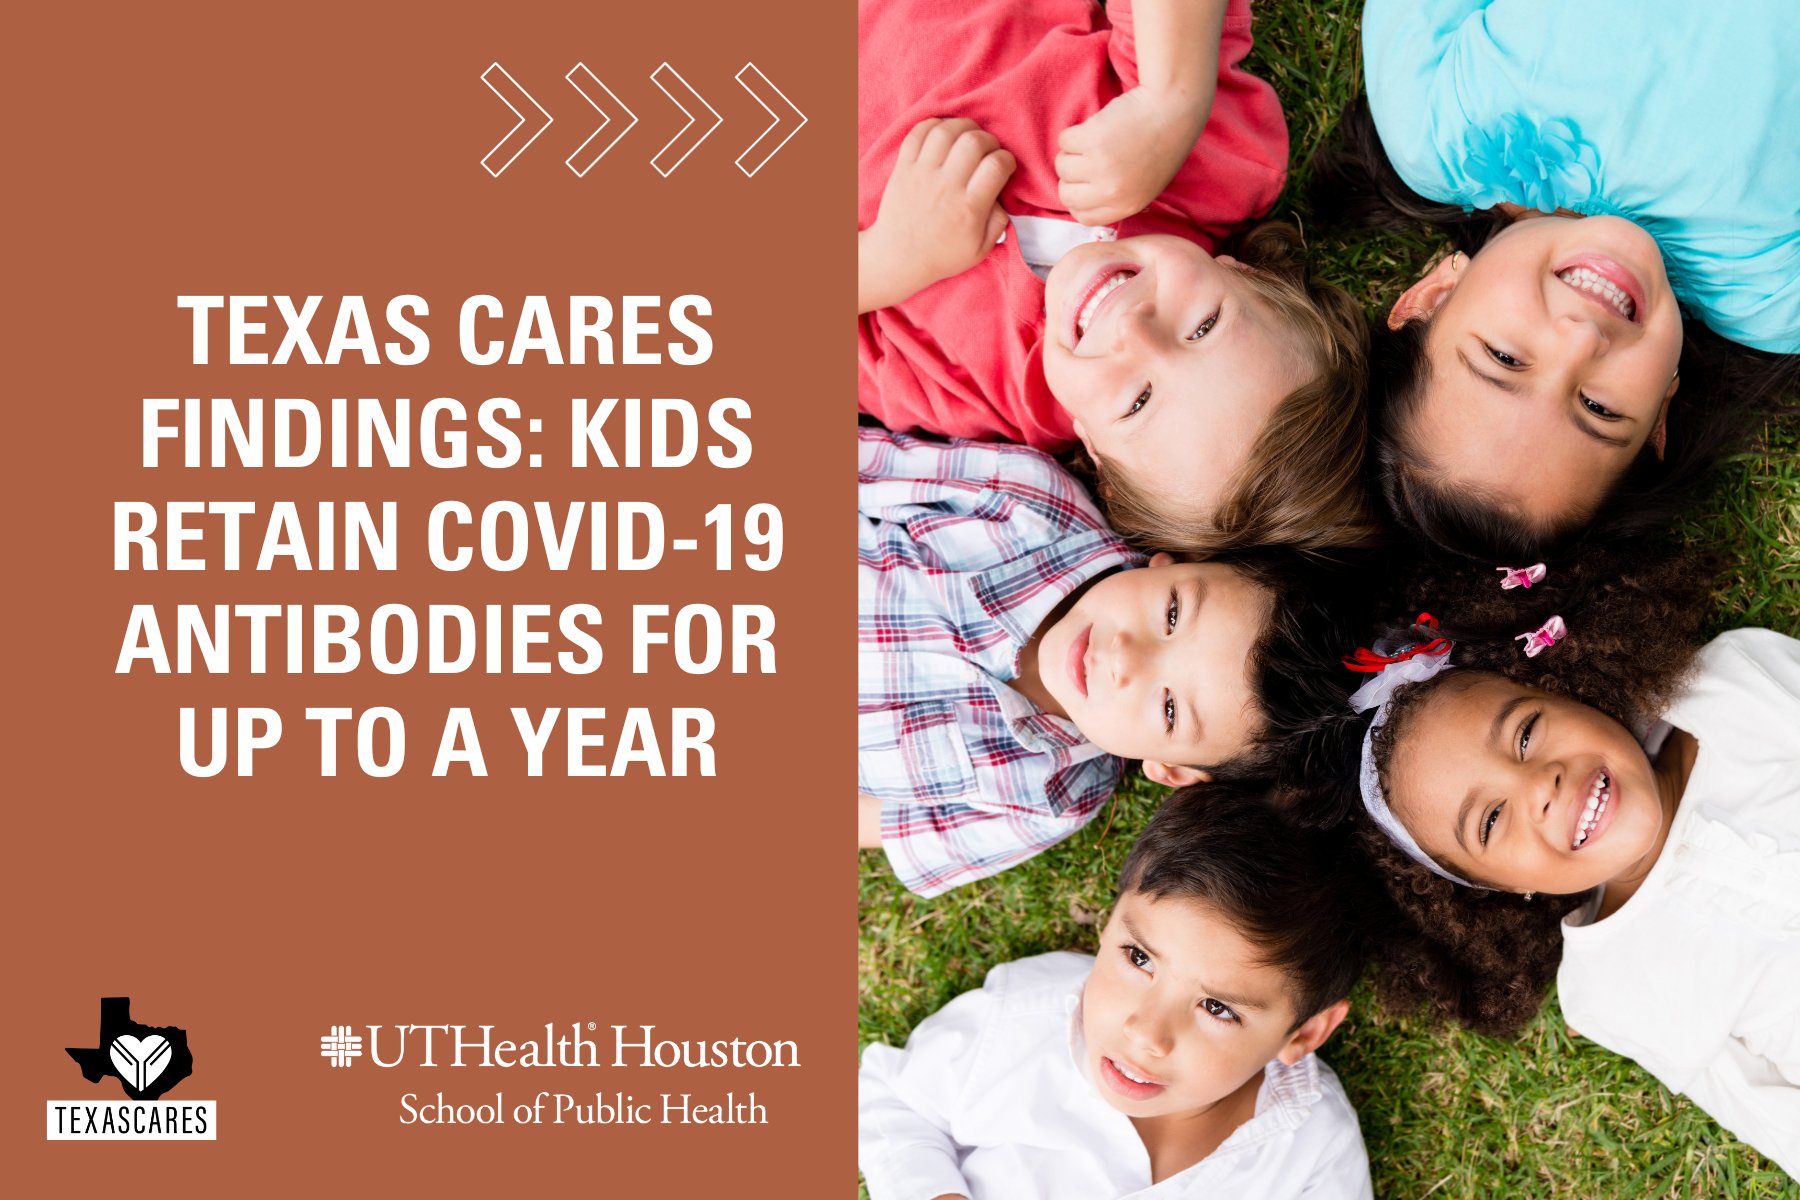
(1149, 1030)
(1580, 335)
(1136, 328)
(1122, 658)
(1546, 786)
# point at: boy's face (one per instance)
(1151, 663)
(1168, 361)
(1179, 1013)
(1524, 791)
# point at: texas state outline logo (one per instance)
(147, 1061)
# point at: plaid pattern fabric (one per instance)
(963, 550)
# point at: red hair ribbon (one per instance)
(1368, 662)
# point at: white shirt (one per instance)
(1697, 975)
(1044, 240)
(991, 1099)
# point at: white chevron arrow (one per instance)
(762, 81)
(693, 97)
(507, 88)
(585, 87)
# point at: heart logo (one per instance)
(140, 1060)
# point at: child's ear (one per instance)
(1162, 558)
(1082, 437)
(1313, 1031)
(1659, 436)
(1170, 775)
(1424, 298)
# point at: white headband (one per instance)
(1375, 694)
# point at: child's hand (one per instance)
(868, 821)
(939, 212)
(1120, 159)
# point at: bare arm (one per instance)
(868, 821)
(1178, 50)
(1116, 162)
(879, 280)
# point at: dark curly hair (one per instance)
(1724, 387)
(1478, 957)
(1481, 959)
(1634, 615)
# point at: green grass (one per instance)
(1445, 1114)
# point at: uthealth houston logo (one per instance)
(578, 1044)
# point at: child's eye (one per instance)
(1174, 613)
(1503, 358)
(1143, 398)
(1598, 409)
(1138, 959)
(1525, 732)
(1204, 329)
(1168, 713)
(1219, 1009)
(1487, 826)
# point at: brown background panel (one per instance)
(335, 149)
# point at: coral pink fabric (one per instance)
(963, 358)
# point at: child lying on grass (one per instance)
(1178, 1063)
(1014, 653)
(1604, 806)
(1220, 399)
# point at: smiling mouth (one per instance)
(1600, 795)
(1128, 1081)
(1103, 287)
(1606, 283)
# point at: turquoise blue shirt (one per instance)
(1683, 117)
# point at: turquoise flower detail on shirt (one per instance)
(1544, 165)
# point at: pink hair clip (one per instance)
(1542, 638)
(1515, 577)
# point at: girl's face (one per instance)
(1168, 361)
(1515, 789)
(1551, 359)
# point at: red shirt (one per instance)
(964, 357)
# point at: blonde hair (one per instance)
(1302, 486)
